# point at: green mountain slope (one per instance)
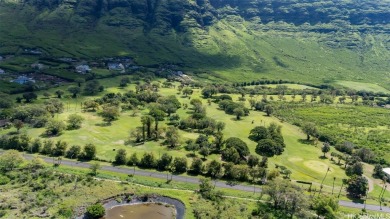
(308, 41)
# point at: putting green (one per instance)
(317, 166)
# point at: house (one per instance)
(83, 69)
(67, 59)
(33, 51)
(1, 58)
(2, 71)
(23, 80)
(37, 66)
(116, 67)
(387, 172)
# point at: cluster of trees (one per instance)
(233, 108)
(198, 119)
(60, 148)
(252, 170)
(270, 141)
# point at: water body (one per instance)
(142, 207)
(141, 211)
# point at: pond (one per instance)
(141, 207)
(141, 211)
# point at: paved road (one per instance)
(194, 180)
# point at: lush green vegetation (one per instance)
(362, 125)
(271, 93)
(216, 40)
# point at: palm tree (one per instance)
(147, 121)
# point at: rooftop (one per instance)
(387, 170)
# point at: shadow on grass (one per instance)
(103, 124)
(305, 141)
(322, 157)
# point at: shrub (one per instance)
(95, 211)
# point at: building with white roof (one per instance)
(387, 172)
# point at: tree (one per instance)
(59, 148)
(59, 93)
(133, 161)
(214, 168)
(29, 97)
(96, 211)
(326, 206)
(258, 133)
(124, 81)
(55, 127)
(208, 92)
(231, 155)
(35, 146)
(357, 186)
(74, 90)
(89, 152)
(269, 110)
(269, 148)
(148, 161)
(192, 146)
(187, 91)
(219, 141)
(355, 169)
(325, 148)
(95, 166)
(253, 161)
(147, 121)
(18, 124)
(110, 113)
(180, 164)
(164, 162)
(137, 134)
(196, 166)
(93, 87)
(54, 106)
(239, 112)
(256, 173)
(204, 151)
(74, 121)
(79, 81)
(47, 147)
(309, 129)
(73, 152)
(10, 160)
(46, 95)
(158, 115)
(172, 136)
(120, 157)
(285, 198)
(378, 172)
(220, 126)
(239, 145)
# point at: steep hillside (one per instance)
(308, 40)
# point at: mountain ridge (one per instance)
(279, 39)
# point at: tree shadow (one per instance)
(191, 155)
(305, 141)
(133, 143)
(103, 124)
(322, 157)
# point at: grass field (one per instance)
(360, 86)
(304, 160)
(108, 138)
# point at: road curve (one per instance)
(195, 180)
